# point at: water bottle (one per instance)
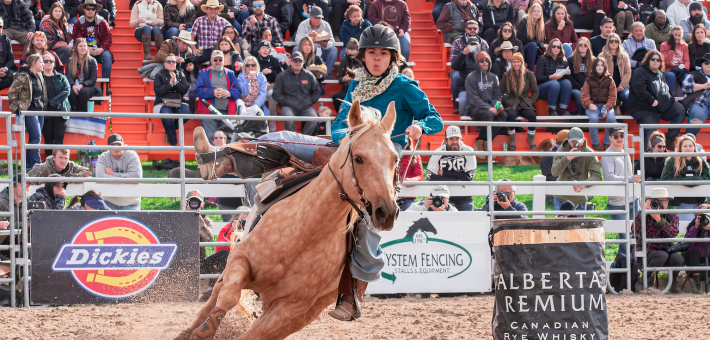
(603, 111)
(505, 146)
(94, 160)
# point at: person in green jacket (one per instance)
(690, 168)
(58, 89)
(575, 168)
(659, 29)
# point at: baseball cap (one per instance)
(453, 131)
(264, 43)
(614, 131)
(316, 12)
(296, 55)
(561, 136)
(440, 190)
(114, 138)
(96, 202)
(217, 53)
(195, 193)
(568, 205)
(575, 134)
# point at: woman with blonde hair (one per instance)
(82, 73)
(686, 168)
(515, 85)
(619, 67)
(28, 92)
(254, 89)
(531, 33)
(579, 64)
(38, 45)
(179, 15)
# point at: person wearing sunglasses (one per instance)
(254, 93)
(217, 85)
(252, 26)
(655, 159)
(53, 194)
(38, 45)
(650, 99)
(697, 89)
(19, 22)
(461, 65)
(170, 87)
(619, 68)
(676, 56)
(483, 99)
(99, 41)
(496, 13)
(58, 89)
(28, 92)
(659, 28)
(506, 33)
(552, 75)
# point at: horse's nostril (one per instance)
(380, 214)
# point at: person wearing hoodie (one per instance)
(352, 27)
(28, 92)
(119, 164)
(494, 15)
(52, 194)
(504, 200)
(650, 99)
(54, 26)
(659, 29)
(471, 42)
(515, 84)
(397, 16)
(483, 99)
(454, 17)
(653, 164)
(453, 168)
(575, 168)
(697, 17)
(98, 38)
(637, 40)
(465, 63)
(598, 99)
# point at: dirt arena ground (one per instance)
(631, 317)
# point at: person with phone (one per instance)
(575, 168)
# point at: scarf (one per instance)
(370, 86)
(253, 93)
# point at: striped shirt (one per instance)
(206, 32)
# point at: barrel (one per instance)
(549, 278)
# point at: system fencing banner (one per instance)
(436, 252)
(83, 257)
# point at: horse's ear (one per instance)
(355, 115)
(390, 118)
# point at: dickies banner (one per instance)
(549, 278)
(84, 257)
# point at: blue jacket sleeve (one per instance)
(261, 99)
(203, 87)
(340, 126)
(416, 102)
(235, 92)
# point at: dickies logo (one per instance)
(114, 257)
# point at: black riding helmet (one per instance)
(379, 36)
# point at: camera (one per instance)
(656, 204)
(704, 220)
(574, 144)
(36, 205)
(502, 196)
(194, 203)
(591, 206)
(689, 171)
(437, 201)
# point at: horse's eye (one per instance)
(358, 160)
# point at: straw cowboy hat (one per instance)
(506, 45)
(186, 37)
(212, 4)
(99, 7)
(660, 193)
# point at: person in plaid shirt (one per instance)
(659, 226)
(208, 28)
(254, 24)
(95, 30)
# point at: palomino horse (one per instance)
(294, 257)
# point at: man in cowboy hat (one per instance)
(19, 20)
(208, 29)
(697, 88)
(95, 30)
(658, 226)
(504, 56)
(179, 46)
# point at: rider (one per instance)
(375, 86)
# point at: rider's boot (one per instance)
(208, 328)
(348, 307)
(211, 170)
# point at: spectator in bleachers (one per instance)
(575, 168)
(353, 26)
(659, 29)
(315, 27)
(296, 90)
(95, 30)
(637, 41)
(520, 8)
(7, 61)
(649, 97)
(454, 17)
(254, 24)
(697, 89)
(625, 12)
(531, 33)
(52, 194)
(438, 7)
(38, 45)
(653, 165)
(232, 57)
(593, 12)
(191, 73)
(244, 46)
(58, 89)
(686, 168)
(279, 52)
(219, 86)
(579, 64)
(28, 92)
(181, 46)
(552, 83)
(696, 253)
(507, 33)
(411, 169)
(465, 63)
(338, 10)
(598, 99)
(459, 45)
(301, 9)
(346, 74)
(504, 200)
(679, 10)
(495, 14)
(147, 19)
(82, 73)
(560, 27)
(225, 12)
(19, 20)
(619, 69)
(546, 162)
(282, 10)
(323, 112)
(58, 162)
(119, 164)
(515, 84)
(71, 8)
(454, 167)
(409, 73)
(438, 200)
(697, 17)
(178, 15)
(676, 57)
(108, 10)
(483, 99)
(270, 68)
(54, 26)
(503, 57)
(598, 42)
(397, 16)
(90, 200)
(699, 44)
(254, 85)
(170, 87)
(208, 29)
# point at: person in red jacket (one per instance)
(232, 231)
(676, 56)
(560, 26)
(415, 172)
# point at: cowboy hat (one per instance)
(660, 193)
(212, 4)
(699, 61)
(506, 45)
(99, 7)
(185, 37)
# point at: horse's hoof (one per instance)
(208, 328)
(184, 335)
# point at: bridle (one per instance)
(354, 134)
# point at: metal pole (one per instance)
(642, 203)
(11, 191)
(181, 127)
(489, 149)
(626, 208)
(25, 255)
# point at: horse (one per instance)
(295, 255)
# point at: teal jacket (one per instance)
(60, 102)
(410, 101)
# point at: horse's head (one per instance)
(373, 160)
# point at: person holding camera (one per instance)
(659, 226)
(695, 254)
(504, 200)
(52, 194)
(575, 168)
(686, 168)
(453, 168)
(438, 200)
(195, 202)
